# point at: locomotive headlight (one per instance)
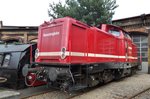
(6, 60)
(36, 53)
(63, 53)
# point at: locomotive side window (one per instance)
(115, 32)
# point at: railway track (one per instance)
(57, 93)
(34, 91)
(80, 93)
(127, 88)
(140, 94)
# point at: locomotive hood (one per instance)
(13, 48)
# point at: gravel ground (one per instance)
(51, 95)
(145, 95)
(122, 89)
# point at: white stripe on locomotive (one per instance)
(83, 54)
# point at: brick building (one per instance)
(22, 34)
(138, 27)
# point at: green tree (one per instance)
(92, 12)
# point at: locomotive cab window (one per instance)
(127, 36)
(115, 32)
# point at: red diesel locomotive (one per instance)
(72, 55)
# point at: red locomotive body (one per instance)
(68, 41)
(73, 55)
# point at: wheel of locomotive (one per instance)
(133, 70)
(93, 81)
(118, 74)
(107, 76)
(66, 85)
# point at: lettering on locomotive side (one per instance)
(51, 34)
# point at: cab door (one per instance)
(116, 42)
(128, 47)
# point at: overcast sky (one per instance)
(35, 12)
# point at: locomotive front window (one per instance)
(114, 32)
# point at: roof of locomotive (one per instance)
(62, 20)
(101, 26)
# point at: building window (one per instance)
(142, 43)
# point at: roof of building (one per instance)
(3, 27)
(139, 16)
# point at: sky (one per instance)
(35, 12)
